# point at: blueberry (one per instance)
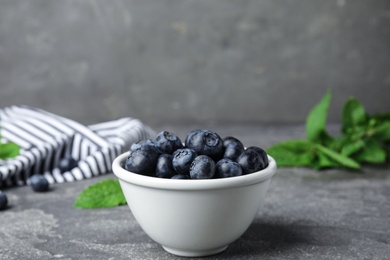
(164, 168)
(180, 177)
(226, 168)
(148, 142)
(250, 161)
(262, 153)
(168, 142)
(190, 135)
(182, 159)
(202, 167)
(3, 201)
(194, 139)
(39, 183)
(66, 164)
(233, 147)
(143, 160)
(208, 143)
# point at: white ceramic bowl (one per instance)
(194, 217)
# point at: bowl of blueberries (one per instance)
(195, 197)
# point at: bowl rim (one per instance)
(189, 184)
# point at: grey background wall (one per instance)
(194, 60)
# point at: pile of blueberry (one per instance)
(204, 155)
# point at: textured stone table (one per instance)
(332, 214)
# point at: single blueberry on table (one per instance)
(233, 147)
(202, 167)
(250, 161)
(208, 143)
(182, 159)
(180, 177)
(168, 142)
(3, 201)
(226, 168)
(164, 167)
(262, 153)
(143, 160)
(66, 164)
(39, 183)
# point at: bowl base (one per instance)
(208, 252)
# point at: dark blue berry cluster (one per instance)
(204, 155)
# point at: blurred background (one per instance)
(194, 61)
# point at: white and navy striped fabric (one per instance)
(46, 138)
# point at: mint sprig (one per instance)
(103, 194)
(364, 138)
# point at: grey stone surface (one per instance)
(195, 61)
(331, 214)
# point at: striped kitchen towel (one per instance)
(46, 138)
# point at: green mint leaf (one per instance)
(346, 145)
(352, 147)
(9, 150)
(106, 193)
(357, 133)
(324, 161)
(372, 152)
(381, 132)
(316, 121)
(292, 153)
(338, 142)
(339, 158)
(353, 115)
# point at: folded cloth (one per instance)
(45, 138)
